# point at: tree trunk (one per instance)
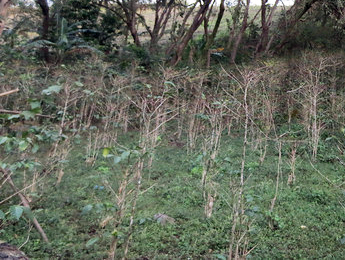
(206, 21)
(4, 5)
(294, 14)
(180, 32)
(134, 32)
(266, 22)
(211, 38)
(162, 14)
(264, 28)
(128, 15)
(45, 26)
(198, 18)
(240, 34)
(133, 21)
(235, 21)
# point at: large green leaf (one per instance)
(28, 114)
(63, 40)
(342, 241)
(39, 44)
(117, 159)
(2, 215)
(92, 241)
(3, 139)
(79, 84)
(125, 154)
(169, 83)
(52, 89)
(35, 103)
(23, 145)
(35, 148)
(16, 211)
(36, 110)
(220, 256)
(86, 209)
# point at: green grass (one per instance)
(306, 223)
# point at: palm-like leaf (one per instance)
(68, 40)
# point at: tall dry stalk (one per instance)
(279, 173)
(7, 177)
(148, 141)
(92, 147)
(118, 102)
(154, 115)
(267, 118)
(195, 123)
(138, 180)
(238, 240)
(211, 145)
(61, 154)
(313, 73)
(195, 110)
(292, 164)
(68, 99)
(121, 196)
(115, 108)
(262, 105)
(313, 91)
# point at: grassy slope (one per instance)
(312, 202)
(173, 187)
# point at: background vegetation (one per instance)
(172, 130)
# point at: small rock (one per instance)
(10, 252)
(164, 219)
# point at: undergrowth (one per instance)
(308, 220)
(251, 160)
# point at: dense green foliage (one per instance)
(312, 202)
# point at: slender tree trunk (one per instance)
(269, 24)
(211, 38)
(4, 5)
(294, 14)
(206, 21)
(155, 31)
(162, 15)
(264, 28)
(129, 17)
(199, 17)
(235, 20)
(45, 26)
(133, 22)
(240, 34)
(180, 31)
(266, 22)
(134, 33)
